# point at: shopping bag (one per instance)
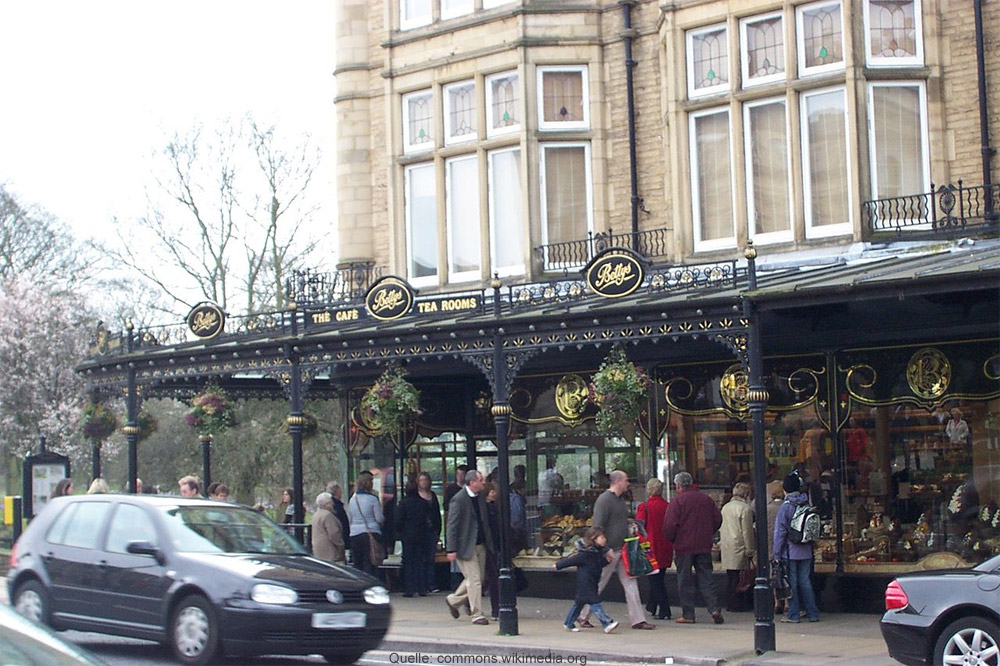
(636, 563)
(647, 550)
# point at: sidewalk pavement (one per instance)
(423, 625)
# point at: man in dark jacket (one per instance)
(337, 493)
(690, 523)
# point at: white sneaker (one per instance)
(611, 627)
(573, 628)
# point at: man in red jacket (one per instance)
(691, 521)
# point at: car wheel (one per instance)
(342, 658)
(969, 640)
(194, 631)
(32, 601)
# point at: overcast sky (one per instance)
(92, 88)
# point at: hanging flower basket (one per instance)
(98, 422)
(211, 412)
(147, 424)
(619, 389)
(391, 401)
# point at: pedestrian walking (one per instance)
(63, 488)
(189, 486)
(776, 493)
(611, 515)
(98, 487)
(690, 523)
(590, 558)
(651, 512)
(737, 546)
(798, 555)
(327, 533)
(365, 514)
(468, 540)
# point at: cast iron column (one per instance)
(763, 596)
(501, 418)
(295, 422)
(131, 428)
(206, 461)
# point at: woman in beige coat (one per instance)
(737, 545)
(327, 534)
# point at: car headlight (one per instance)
(377, 596)
(273, 594)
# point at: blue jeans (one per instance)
(597, 609)
(802, 591)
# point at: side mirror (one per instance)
(145, 548)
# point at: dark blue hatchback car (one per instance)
(205, 577)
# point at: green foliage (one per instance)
(391, 401)
(619, 389)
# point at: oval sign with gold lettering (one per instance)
(206, 320)
(614, 273)
(389, 298)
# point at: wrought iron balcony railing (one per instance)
(575, 254)
(347, 284)
(944, 211)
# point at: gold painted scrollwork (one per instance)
(734, 386)
(928, 373)
(571, 396)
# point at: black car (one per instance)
(945, 617)
(204, 576)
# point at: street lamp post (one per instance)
(763, 596)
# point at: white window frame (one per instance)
(560, 126)
(924, 141)
(543, 148)
(744, 55)
(490, 4)
(845, 227)
(881, 61)
(450, 140)
(689, 37)
(800, 44)
(512, 269)
(409, 23)
(426, 280)
(461, 8)
(778, 236)
(451, 221)
(718, 243)
(408, 146)
(492, 131)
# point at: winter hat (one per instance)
(792, 483)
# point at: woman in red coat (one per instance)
(651, 512)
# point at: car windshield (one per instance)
(226, 529)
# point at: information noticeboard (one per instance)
(42, 473)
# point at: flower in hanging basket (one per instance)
(391, 401)
(98, 422)
(147, 424)
(619, 389)
(211, 412)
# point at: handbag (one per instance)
(376, 551)
(747, 579)
(780, 580)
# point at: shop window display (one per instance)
(922, 481)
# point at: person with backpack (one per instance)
(795, 531)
